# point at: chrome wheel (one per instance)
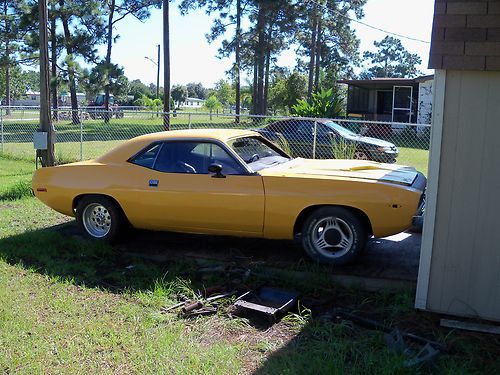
(96, 220)
(332, 237)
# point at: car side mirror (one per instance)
(216, 169)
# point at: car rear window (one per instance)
(147, 157)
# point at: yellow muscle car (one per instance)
(234, 182)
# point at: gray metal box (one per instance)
(40, 140)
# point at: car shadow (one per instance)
(395, 257)
(143, 256)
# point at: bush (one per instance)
(341, 149)
(323, 104)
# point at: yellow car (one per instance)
(234, 182)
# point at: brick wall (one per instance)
(466, 35)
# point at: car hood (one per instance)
(371, 141)
(331, 168)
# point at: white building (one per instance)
(193, 103)
(32, 98)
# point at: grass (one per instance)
(415, 157)
(15, 178)
(68, 305)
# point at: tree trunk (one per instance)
(317, 63)
(108, 60)
(7, 79)
(266, 82)
(261, 59)
(166, 69)
(71, 68)
(312, 52)
(254, 88)
(7, 62)
(238, 60)
(45, 118)
(53, 50)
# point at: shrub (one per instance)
(342, 149)
(323, 104)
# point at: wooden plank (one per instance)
(469, 326)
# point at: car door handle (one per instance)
(153, 183)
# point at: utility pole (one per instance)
(166, 69)
(45, 118)
(158, 75)
(157, 64)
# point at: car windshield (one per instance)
(257, 152)
(340, 129)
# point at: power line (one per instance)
(324, 7)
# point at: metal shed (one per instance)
(460, 257)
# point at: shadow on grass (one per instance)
(63, 256)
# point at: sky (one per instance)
(193, 59)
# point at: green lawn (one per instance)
(15, 178)
(414, 157)
(70, 306)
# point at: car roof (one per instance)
(134, 145)
(217, 134)
(296, 120)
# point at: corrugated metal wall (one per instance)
(465, 265)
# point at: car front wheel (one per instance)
(333, 235)
(99, 218)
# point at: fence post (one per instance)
(314, 138)
(81, 135)
(1, 127)
(189, 120)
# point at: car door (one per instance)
(326, 138)
(178, 193)
(300, 133)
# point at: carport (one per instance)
(460, 258)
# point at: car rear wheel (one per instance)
(99, 218)
(333, 235)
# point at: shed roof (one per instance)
(385, 82)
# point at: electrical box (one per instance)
(40, 140)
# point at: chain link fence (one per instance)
(90, 132)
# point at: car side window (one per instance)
(323, 130)
(278, 127)
(289, 127)
(305, 128)
(147, 157)
(195, 158)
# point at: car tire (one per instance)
(333, 235)
(99, 218)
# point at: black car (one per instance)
(330, 137)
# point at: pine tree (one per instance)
(391, 60)
(12, 38)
